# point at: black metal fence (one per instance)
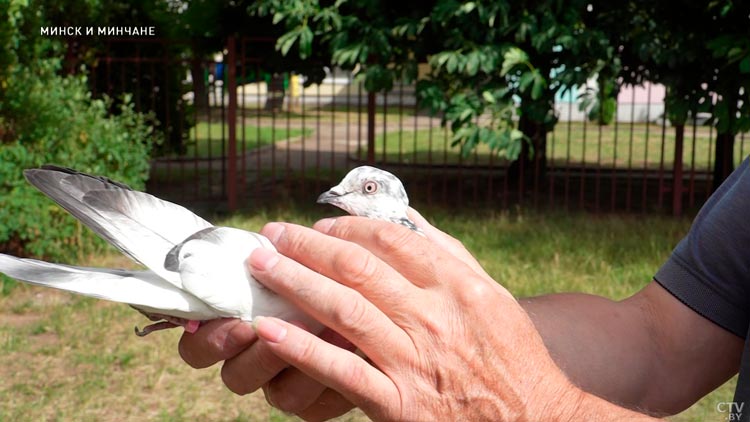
(236, 135)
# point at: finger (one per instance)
(445, 241)
(216, 340)
(251, 369)
(344, 262)
(413, 256)
(292, 390)
(335, 305)
(329, 405)
(254, 367)
(343, 371)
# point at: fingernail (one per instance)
(263, 259)
(273, 231)
(324, 225)
(269, 330)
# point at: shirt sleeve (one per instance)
(709, 269)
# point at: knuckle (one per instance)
(343, 228)
(234, 382)
(353, 316)
(356, 266)
(475, 290)
(278, 397)
(392, 238)
(188, 354)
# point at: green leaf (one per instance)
(488, 97)
(305, 42)
(472, 63)
(514, 56)
(286, 41)
(745, 65)
(539, 85)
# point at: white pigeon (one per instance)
(196, 271)
(371, 192)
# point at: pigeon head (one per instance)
(370, 192)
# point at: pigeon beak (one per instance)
(331, 196)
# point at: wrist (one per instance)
(559, 401)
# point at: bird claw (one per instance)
(163, 325)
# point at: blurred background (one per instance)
(566, 143)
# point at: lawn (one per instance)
(209, 140)
(64, 357)
(636, 146)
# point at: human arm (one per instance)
(648, 352)
(564, 321)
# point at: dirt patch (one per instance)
(18, 320)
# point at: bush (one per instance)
(46, 118)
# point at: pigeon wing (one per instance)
(142, 289)
(143, 227)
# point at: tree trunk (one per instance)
(199, 86)
(530, 169)
(724, 162)
(275, 96)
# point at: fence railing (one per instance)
(236, 134)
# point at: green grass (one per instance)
(206, 138)
(72, 358)
(574, 143)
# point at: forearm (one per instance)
(649, 352)
(597, 344)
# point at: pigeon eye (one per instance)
(371, 187)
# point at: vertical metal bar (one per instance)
(334, 138)
(660, 200)
(582, 186)
(629, 193)
(677, 187)
(385, 128)
(289, 110)
(691, 196)
(232, 124)
(711, 157)
(551, 166)
(348, 119)
(598, 176)
(274, 102)
(613, 181)
(303, 161)
(245, 78)
(401, 123)
(259, 170)
(359, 123)
(317, 138)
(429, 163)
(371, 127)
(644, 188)
(567, 154)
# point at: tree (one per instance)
(492, 62)
(702, 56)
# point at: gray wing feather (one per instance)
(143, 227)
(142, 289)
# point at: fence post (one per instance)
(232, 124)
(370, 127)
(677, 188)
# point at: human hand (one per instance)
(443, 340)
(250, 365)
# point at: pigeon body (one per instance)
(371, 192)
(195, 271)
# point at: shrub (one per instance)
(46, 118)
